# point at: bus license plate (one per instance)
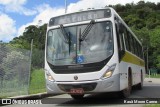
(77, 91)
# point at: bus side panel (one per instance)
(123, 68)
(136, 74)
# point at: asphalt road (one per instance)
(151, 89)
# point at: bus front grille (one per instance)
(86, 86)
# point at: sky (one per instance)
(15, 15)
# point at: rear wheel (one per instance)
(126, 92)
(77, 97)
(140, 85)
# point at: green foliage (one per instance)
(38, 58)
(152, 105)
(144, 12)
(158, 59)
(31, 32)
(155, 37)
(37, 83)
(20, 43)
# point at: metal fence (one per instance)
(37, 80)
(14, 71)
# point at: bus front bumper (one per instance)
(111, 84)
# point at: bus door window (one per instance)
(132, 43)
(126, 40)
(120, 39)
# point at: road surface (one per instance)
(151, 89)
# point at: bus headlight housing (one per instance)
(109, 71)
(49, 76)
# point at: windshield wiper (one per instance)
(66, 36)
(86, 31)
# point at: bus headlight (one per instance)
(49, 76)
(109, 71)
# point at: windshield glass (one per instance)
(96, 46)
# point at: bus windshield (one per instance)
(96, 46)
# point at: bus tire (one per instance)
(140, 85)
(126, 92)
(77, 97)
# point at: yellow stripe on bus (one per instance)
(130, 58)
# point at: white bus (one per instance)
(92, 51)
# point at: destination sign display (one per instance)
(80, 16)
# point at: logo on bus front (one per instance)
(75, 77)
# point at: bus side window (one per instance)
(136, 46)
(129, 41)
(139, 52)
(133, 46)
(126, 39)
(120, 40)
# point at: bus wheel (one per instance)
(126, 92)
(140, 85)
(77, 97)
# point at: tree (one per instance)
(155, 37)
(151, 5)
(119, 8)
(20, 43)
(140, 4)
(158, 6)
(38, 34)
(144, 12)
(158, 59)
(155, 43)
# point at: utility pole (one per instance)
(65, 6)
(40, 37)
(30, 65)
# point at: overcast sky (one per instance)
(15, 15)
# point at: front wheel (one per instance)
(77, 97)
